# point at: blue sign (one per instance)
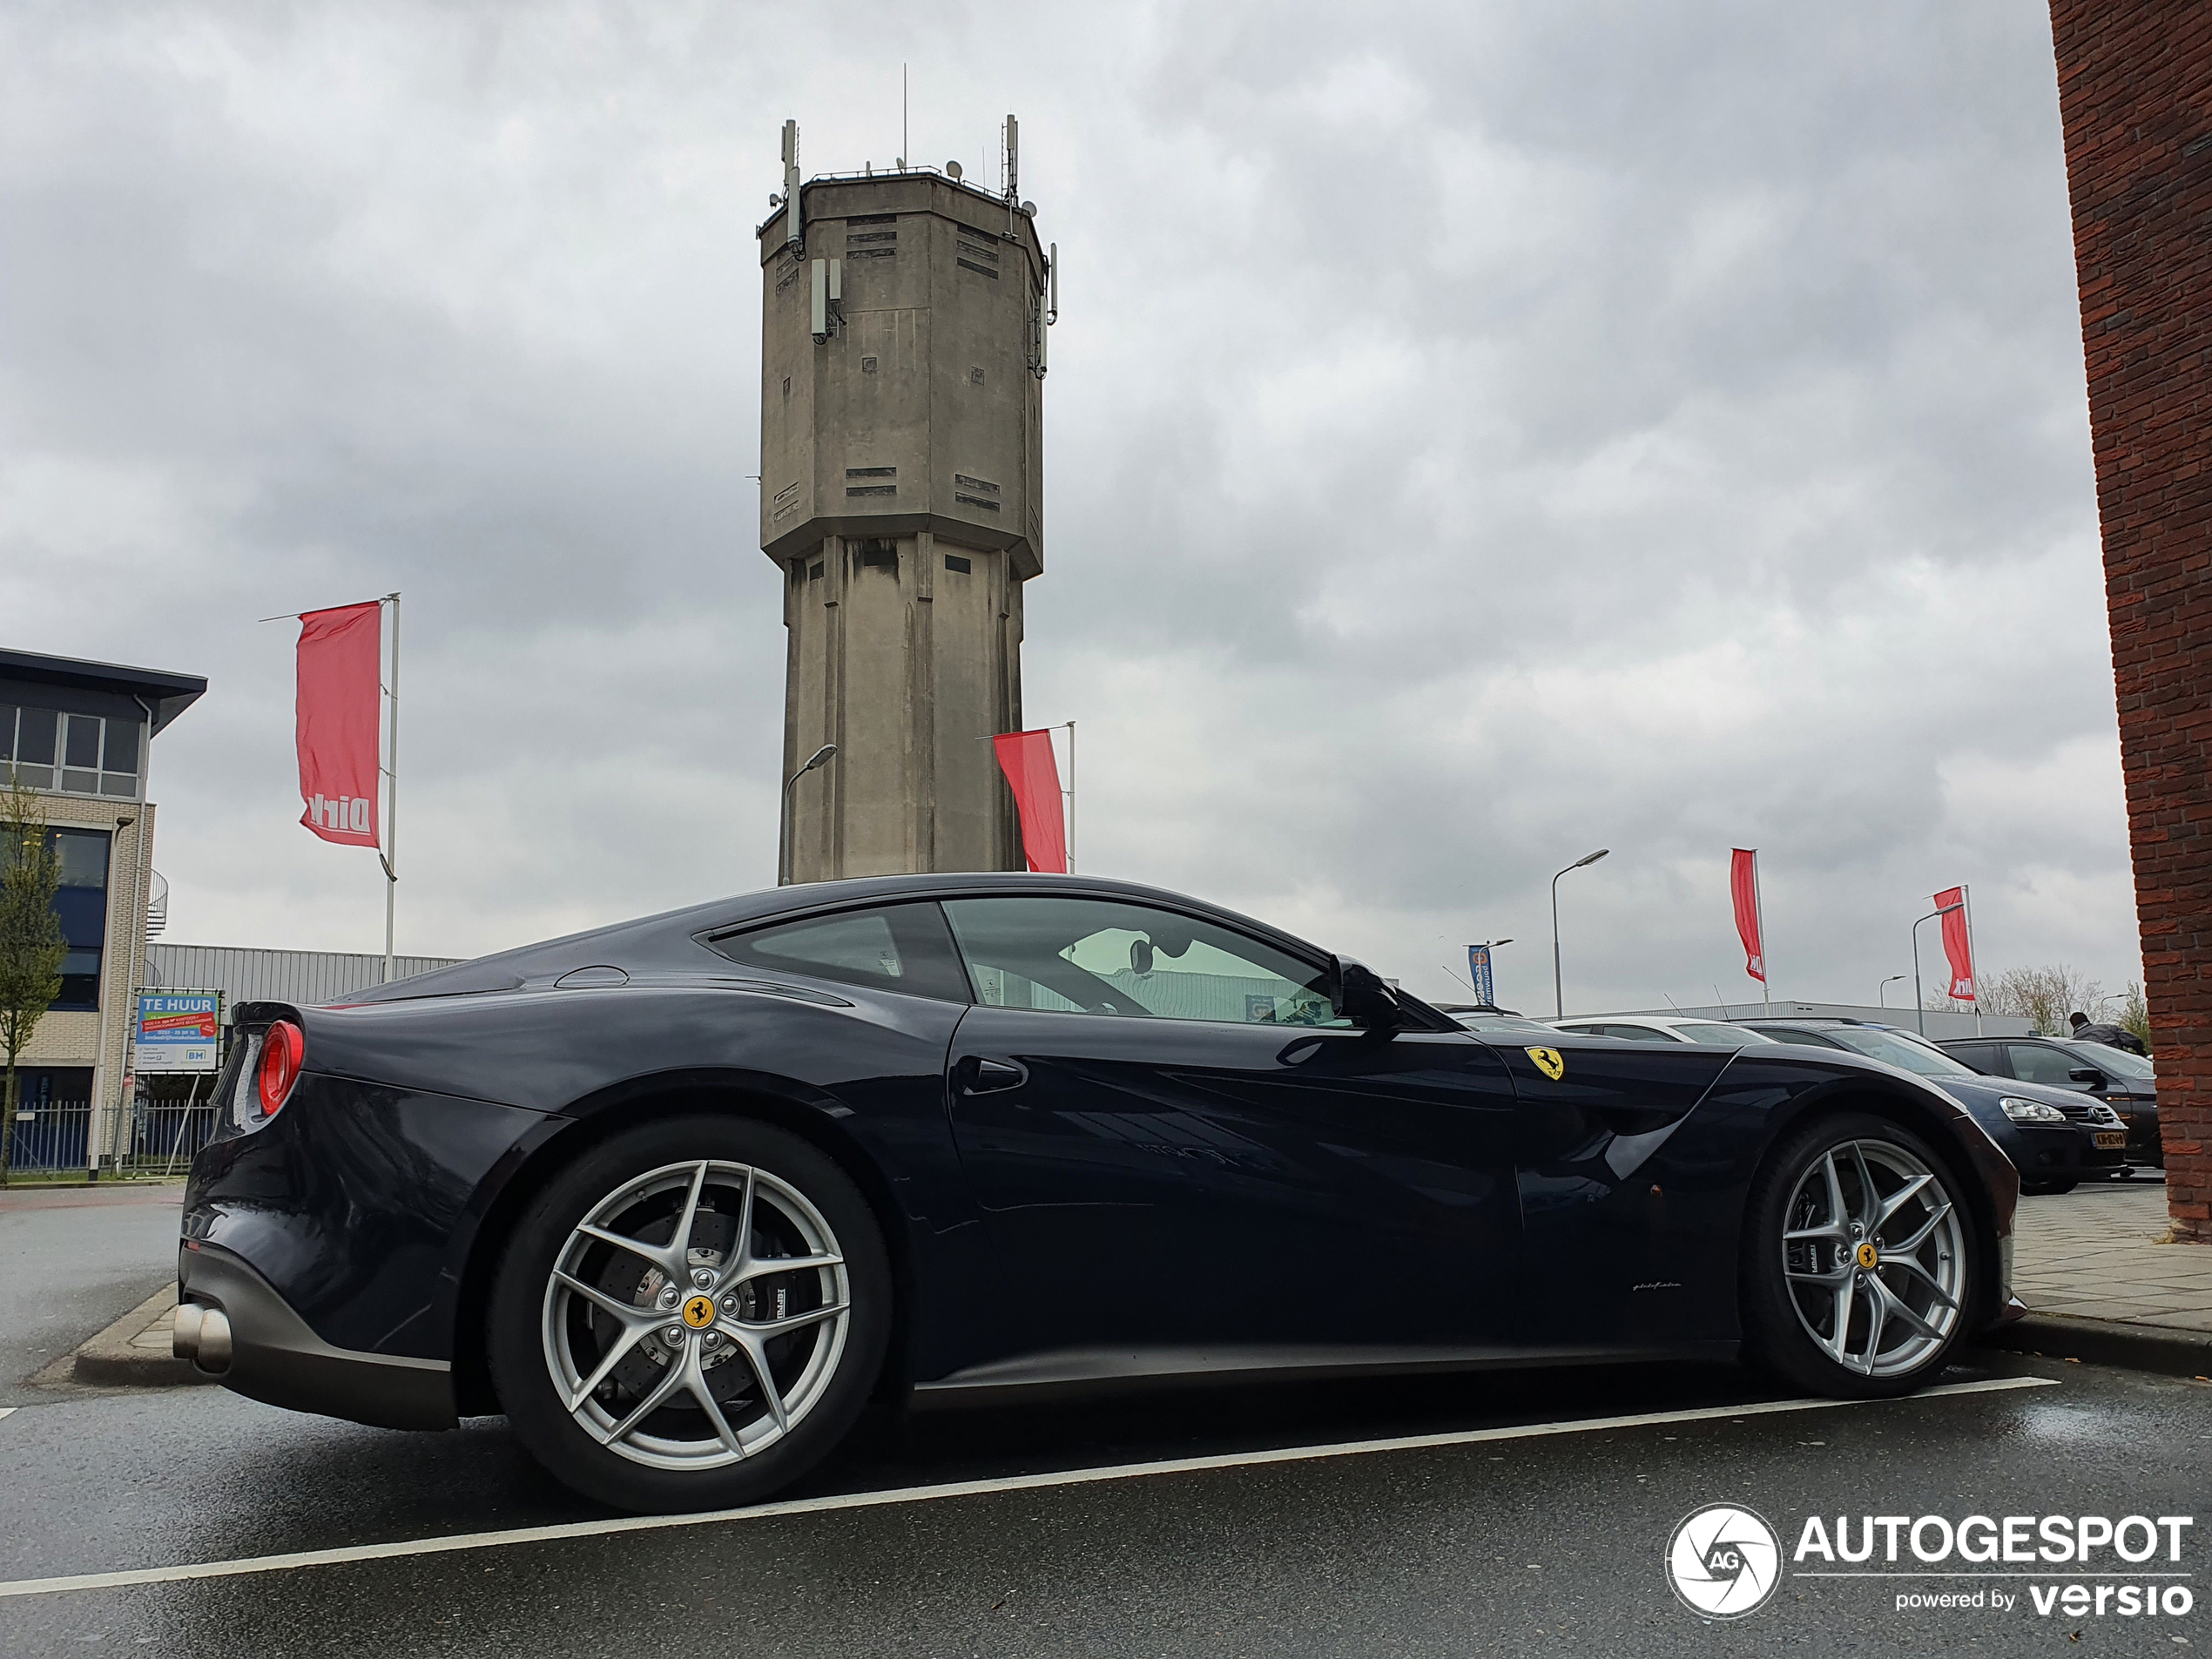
(179, 1031)
(1478, 972)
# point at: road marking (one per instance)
(7, 1411)
(405, 1547)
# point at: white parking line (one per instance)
(7, 1411)
(957, 1489)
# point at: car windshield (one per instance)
(1901, 1051)
(1719, 1031)
(2118, 1061)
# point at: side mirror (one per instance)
(2088, 1075)
(1358, 992)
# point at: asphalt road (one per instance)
(72, 1259)
(1511, 1544)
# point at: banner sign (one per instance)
(1743, 887)
(1479, 974)
(180, 1030)
(1958, 942)
(337, 719)
(1034, 775)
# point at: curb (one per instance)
(2167, 1349)
(111, 1357)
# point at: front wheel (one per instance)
(1859, 1264)
(691, 1316)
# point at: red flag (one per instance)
(1026, 758)
(1958, 944)
(340, 669)
(1744, 886)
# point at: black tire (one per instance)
(1775, 1337)
(521, 1328)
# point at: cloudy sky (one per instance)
(1477, 433)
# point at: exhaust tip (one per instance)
(184, 1339)
(212, 1353)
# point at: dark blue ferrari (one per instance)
(679, 1198)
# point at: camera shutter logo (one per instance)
(1723, 1561)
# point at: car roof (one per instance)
(671, 938)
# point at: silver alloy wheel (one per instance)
(696, 1314)
(1873, 1258)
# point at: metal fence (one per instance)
(160, 1136)
(49, 1136)
(145, 1136)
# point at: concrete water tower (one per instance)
(902, 355)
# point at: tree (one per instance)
(2134, 1013)
(31, 946)
(2042, 996)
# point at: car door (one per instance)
(1177, 1141)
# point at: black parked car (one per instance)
(680, 1197)
(2122, 1080)
(2055, 1139)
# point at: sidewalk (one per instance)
(135, 1350)
(2100, 1288)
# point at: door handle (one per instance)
(985, 1076)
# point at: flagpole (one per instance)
(391, 853)
(1966, 904)
(1071, 797)
(1766, 952)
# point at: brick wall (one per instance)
(2135, 99)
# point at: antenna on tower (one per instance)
(903, 152)
(1010, 160)
(794, 231)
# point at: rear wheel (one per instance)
(1859, 1260)
(691, 1316)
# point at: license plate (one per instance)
(2111, 1140)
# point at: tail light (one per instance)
(281, 1049)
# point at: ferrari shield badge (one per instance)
(1550, 1062)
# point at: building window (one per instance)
(80, 905)
(72, 754)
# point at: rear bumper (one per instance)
(275, 1358)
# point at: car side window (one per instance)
(1982, 1056)
(1104, 957)
(1807, 1039)
(1633, 1034)
(2033, 1063)
(889, 948)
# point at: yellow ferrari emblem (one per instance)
(1550, 1062)
(1868, 1256)
(699, 1313)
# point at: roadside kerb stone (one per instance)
(135, 1350)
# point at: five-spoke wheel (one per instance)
(676, 1331)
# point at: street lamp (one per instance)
(820, 756)
(1881, 991)
(1559, 994)
(1919, 1002)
